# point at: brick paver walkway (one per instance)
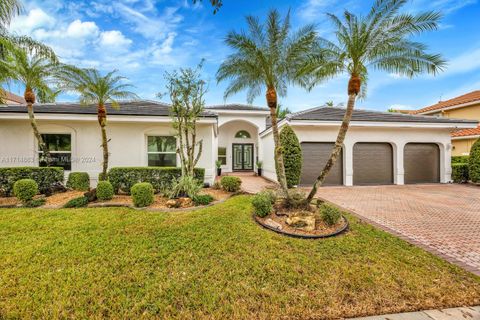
(252, 183)
(443, 219)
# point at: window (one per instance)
(222, 155)
(60, 148)
(242, 134)
(162, 151)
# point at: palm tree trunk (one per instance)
(102, 120)
(29, 96)
(353, 90)
(280, 168)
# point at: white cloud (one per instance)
(79, 29)
(114, 39)
(463, 63)
(36, 18)
(402, 107)
(313, 9)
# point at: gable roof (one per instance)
(336, 114)
(466, 133)
(8, 96)
(130, 108)
(236, 107)
(470, 97)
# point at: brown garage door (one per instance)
(421, 162)
(372, 163)
(315, 156)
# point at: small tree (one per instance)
(292, 155)
(474, 162)
(187, 91)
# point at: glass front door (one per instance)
(243, 156)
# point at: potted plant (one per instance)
(218, 164)
(259, 168)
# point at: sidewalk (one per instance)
(470, 313)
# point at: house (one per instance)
(11, 98)
(380, 148)
(466, 106)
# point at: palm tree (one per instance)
(380, 41)
(268, 56)
(99, 90)
(282, 111)
(36, 74)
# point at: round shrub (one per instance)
(104, 190)
(262, 204)
(460, 172)
(202, 199)
(142, 194)
(25, 189)
(474, 162)
(330, 214)
(78, 181)
(231, 184)
(292, 155)
(79, 202)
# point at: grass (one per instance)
(211, 263)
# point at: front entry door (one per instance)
(242, 156)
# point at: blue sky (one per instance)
(145, 38)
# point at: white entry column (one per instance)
(348, 163)
(399, 172)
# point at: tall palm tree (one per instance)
(267, 57)
(36, 74)
(379, 41)
(99, 90)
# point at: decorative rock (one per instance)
(306, 223)
(271, 223)
(172, 203)
(184, 202)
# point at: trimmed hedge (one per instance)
(230, 183)
(474, 162)
(203, 199)
(78, 181)
(292, 155)
(460, 159)
(161, 178)
(104, 190)
(142, 194)
(44, 177)
(25, 189)
(460, 172)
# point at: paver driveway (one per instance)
(443, 219)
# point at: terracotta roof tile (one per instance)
(467, 132)
(466, 98)
(8, 96)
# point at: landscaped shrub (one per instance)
(184, 187)
(231, 184)
(202, 199)
(216, 185)
(262, 204)
(460, 172)
(34, 203)
(161, 178)
(460, 159)
(330, 214)
(296, 199)
(25, 189)
(78, 181)
(104, 190)
(271, 194)
(44, 177)
(474, 162)
(79, 202)
(142, 194)
(292, 155)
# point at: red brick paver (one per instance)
(443, 219)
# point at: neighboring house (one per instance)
(466, 106)
(11, 98)
(380, 148)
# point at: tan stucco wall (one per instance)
(470, 112)
(462, 147)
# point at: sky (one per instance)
(143, 39)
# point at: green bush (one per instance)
(44, 177)
(34, 203)
(104, 190)
(142, 194)
(78, 181)
(330, 214)
(25, 189)
(161, 178)
(216, 185)
(474, 162)
(292, 155)
(460, 159)
(184, 187)
(262, 204)
(202, 199)
(271, 194)
(231, 184)
(460, 172)
(79, 202)
(296, 199)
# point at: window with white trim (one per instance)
(222, 155)
(59, 146)
(162, 151)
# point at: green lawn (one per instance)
(211, 263)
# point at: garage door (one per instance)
(421, 163)
(315, 156)
(372, 163)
